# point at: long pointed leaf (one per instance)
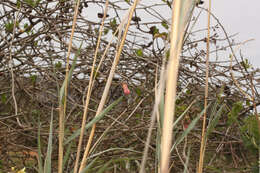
(62, 90)
(93, 121)
(67, 154)
(180, 117)
(47, 164)
(39, 149)
(187, 161)
(214, 122)
(187, 131)
(89, 165)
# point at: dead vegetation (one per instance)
(39, 47)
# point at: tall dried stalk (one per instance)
(180, 13)
(62, 108)
(89, 91)
(108, 84)
(203, 135)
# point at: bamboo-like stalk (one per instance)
(180, 13)
(108, 84)
(62, 108)
(170, 90)
(89, 91)
(203, 137)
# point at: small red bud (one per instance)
(125, 88)
(185, 124)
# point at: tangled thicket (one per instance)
(36, 54)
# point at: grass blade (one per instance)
(89, 165)
(105, 168)
(39, 149)
(47, 164)
(187, 131)
(62, 107)
(187, 161)
(181, 116)
(62, 89)
(66, 156)
(214, 122)
(93, 121)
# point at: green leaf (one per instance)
(9, 27)
(3, 98)
(215, 121)
(232, 116)
(138, 115)
(106, 30)
(164, 24)
(113, 23)
(18, 4)
(37, 2)
(33, 78)
(138, 91)
(246, 64)
(248, 103)
(26, 25)
(154, 30)
(250, 133)
(58, 65)
(139, 52)
(30, 3)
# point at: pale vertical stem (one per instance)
(171, 83)
(203, 137)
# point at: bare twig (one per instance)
(11, 64)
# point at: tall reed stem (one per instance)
(177, 28)
(203, 137)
